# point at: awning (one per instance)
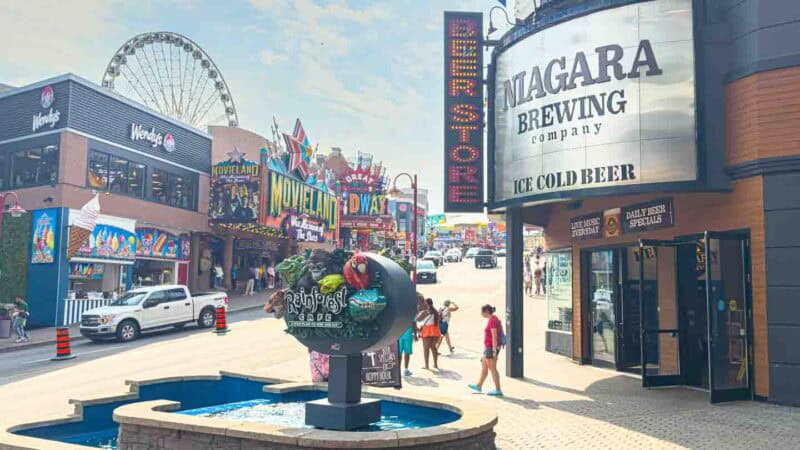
(81, 259)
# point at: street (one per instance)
(557, 405)
(18, 365)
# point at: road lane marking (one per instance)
(82, 353)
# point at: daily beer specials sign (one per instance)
(604, 100)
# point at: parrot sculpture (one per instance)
(355, 272)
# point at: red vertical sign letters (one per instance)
(463, 112)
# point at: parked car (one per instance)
(435, 256)
(485, 258)
(471, 252)
(148, 308)
(500, 252)
(426, 271)
(453, 255)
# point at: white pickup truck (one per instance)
(151, 307)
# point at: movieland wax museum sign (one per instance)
(290, 196)
(463, 112)
(603, 100)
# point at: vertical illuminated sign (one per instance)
(463, 112)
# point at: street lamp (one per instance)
(492, 28)
(396, 192)
(15, 209)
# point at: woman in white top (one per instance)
(444, 323)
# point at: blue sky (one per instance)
(361, 75)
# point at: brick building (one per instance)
(654, 142)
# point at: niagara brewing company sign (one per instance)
(463, 112)
(579, 106)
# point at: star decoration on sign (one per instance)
(300, 150)
(236, 156)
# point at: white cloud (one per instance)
(44, 38)
(269, 57)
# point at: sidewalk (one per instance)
(47, 335)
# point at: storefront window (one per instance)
(158, 186)
(136, 174)
(558, 280)
(97, 178)
(34, 167)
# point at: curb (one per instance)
(80, 338)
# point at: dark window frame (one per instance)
(10, 169)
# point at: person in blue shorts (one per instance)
(405, 345)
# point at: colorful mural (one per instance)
(43, 242)
(235, 187)
(107, 241)
(154, 243)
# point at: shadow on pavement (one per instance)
(449, 374)
(677, 415)
(419, 381)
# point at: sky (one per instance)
(361, 75)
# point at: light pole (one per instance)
(396, 192)
(15, 209)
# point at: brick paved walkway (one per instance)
(558, 405)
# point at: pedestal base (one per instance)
(342, 416)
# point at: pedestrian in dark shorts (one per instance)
(492, 340)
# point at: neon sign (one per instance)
(463, 100)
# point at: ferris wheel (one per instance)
(173, 75)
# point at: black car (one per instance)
(485, 258)
(426, 272)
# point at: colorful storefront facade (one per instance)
(365, 220)
(63, 140)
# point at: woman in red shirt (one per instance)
(492, 340)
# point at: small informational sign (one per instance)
(648, 216)
(45, 231)
(314, 309)
(381, 367)
(589, 226)
(304, 229)
(611, 226)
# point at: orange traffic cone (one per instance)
(63, 349)
(222, 322)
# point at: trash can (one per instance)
(5, 328)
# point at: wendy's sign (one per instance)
(463, 112)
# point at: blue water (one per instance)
(394, 416)
(228, 398)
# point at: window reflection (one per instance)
(34, 167)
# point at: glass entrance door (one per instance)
(661, 335)
(603, 295)
(728, 301)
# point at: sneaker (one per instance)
(18, 340)
(475, 388)
(495, 393)
(406, 373)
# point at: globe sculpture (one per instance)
(341, 305)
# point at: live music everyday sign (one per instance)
(463, 112)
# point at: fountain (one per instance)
(335, 304)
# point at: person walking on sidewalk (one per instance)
(492, 340)
(234, 276)
(537, 278)
(405, 346)
(271, 274)
(527, 282)
(218, 276)
(444, 324)
(430, 332)
(251, 282)
(20, 318)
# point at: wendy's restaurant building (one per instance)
(63, 140)
(654, 143)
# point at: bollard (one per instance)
(63, 349)
(222, 323)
